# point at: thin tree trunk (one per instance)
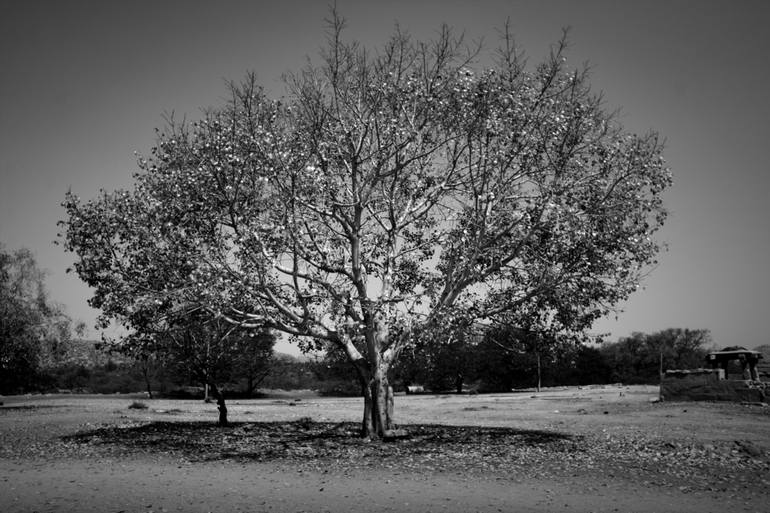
(206, 398)
(222, 410)
(220, 397)
(249, 385)
(459, 383)
(146, 373)
(660, 367)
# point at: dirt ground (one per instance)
(574, 450)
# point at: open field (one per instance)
(591, 449)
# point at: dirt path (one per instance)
(602, 450)
(166, 486)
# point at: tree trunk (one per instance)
(220, 397)
(377, 423)
(459, 383)
(378, 420)
(660, 367)
(249, 385)
(206, 398)
(146, 373)
(222, 410)
(367, 424)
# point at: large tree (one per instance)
(387, 191)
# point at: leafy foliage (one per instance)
(638, 358)
(35, 333)
(332, 374)
(444, 357)
(389, 190)
(207, 349)
(513, 358)
(506, 358)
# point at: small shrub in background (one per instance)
(137, 405)
(304, 423)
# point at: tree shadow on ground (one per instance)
(307, 442)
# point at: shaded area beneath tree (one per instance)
(320, 443)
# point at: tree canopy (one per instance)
(387, 191)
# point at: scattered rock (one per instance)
(395, 434)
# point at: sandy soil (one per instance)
(35, 475)
(157, 485)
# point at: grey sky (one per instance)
(83, 85)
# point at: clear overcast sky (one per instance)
(83, 85)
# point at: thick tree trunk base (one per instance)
(378, 414)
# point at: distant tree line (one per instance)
(507, 358)
(504, 359)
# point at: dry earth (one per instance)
(591, 449)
